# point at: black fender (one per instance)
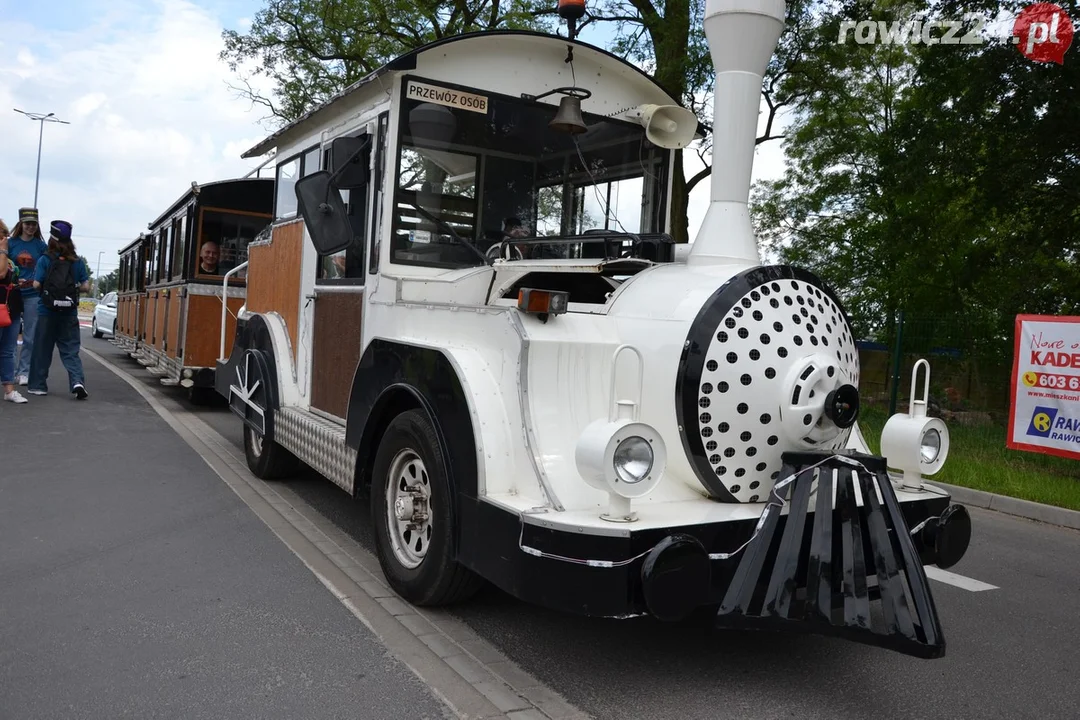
(392, 377)
(254, 340)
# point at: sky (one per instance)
(150, 111)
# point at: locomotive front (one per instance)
(739, 444)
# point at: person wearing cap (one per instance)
(25, 247)
(11, 300)
(59, 327)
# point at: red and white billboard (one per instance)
(1045, 412)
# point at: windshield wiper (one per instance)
(444, 225)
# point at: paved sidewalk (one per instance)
(134, 583)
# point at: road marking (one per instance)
(965, 583)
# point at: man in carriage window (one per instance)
(209, 258)
(210, 261)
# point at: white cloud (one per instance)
(150, 111)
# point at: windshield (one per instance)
(489, 168)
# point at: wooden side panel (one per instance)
(273, 282)
(204, 329)
(148, 315)
(159, 320)
(336, 350)
(172, 337)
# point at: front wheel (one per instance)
(266, 459)
(94, 329)
(411, 503)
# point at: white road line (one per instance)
(965, 583)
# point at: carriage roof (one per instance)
(410, 61)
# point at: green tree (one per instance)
(108, 283)
(310, 50)
(667, 39)
(942, 180)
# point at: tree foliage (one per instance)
(311, 49)
(942, 180)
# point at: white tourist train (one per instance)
(469, 305)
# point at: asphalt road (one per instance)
(1012, 651)
(135, 583)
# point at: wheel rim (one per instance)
(93, 325)
(256, 442)
(408, 508)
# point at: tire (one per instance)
(94, 329)
(113, 331)
(418, 563)
(266, 459)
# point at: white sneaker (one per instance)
(23, 379)
(15, 397)
(37, 392)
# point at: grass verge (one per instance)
(978, 459)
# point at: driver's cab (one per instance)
(501, 187)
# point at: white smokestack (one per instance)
(742, 36)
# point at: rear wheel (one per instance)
(411, 503)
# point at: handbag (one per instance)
(5, 313)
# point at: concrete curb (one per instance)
(1049, 514)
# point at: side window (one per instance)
(288, 173)
(179, 245)
(347, 266)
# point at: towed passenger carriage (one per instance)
(469, 304)
(174, 276)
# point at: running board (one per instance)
(820, 575)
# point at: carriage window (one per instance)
(287, 175)
(179, 245)
(224, 239)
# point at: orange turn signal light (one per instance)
(542, 302)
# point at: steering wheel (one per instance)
(503, 250)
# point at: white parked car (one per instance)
(105, 316)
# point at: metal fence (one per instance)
(970, 367)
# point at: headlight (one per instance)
(633, 460)
(914, 442)
(622, 457)
(931, 445)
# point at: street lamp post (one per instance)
(97, 275)
(39, 117)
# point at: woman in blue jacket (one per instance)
(25, 248)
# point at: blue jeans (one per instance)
(63, 332)
(9, 337)
(31, 306)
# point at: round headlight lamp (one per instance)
(622, 456)
(633, 460)
(914, 442)
(930, 447)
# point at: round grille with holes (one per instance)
(763, 355)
